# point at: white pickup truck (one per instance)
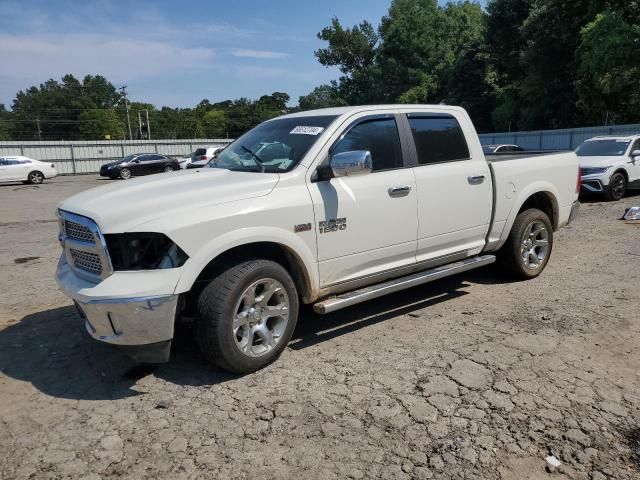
(343, 205)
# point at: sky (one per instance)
(174, 53)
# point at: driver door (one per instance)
(367, 224)
(634, 165)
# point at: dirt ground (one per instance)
(472, 377)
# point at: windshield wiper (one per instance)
(253, 154)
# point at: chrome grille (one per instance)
(78, 232)
(86, 261)
(85, 249)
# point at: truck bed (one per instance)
(501, 157)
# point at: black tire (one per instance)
(125, 174)
(35, 178)
(168, 169)
(617, 187)
(217, 309)
(511, 256)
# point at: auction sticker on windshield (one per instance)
(306, 131)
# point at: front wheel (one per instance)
(35, 178)
(617, 187)
(528, 248)
(247, 315)
(125, 174)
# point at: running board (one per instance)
(368, 293)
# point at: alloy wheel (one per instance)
(261, 317)
(535, 245)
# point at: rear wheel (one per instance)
(617, 187)
(125, 174)
(35, 178)
(247, 315)
(168, 168)
(528, 248)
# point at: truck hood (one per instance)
(601, 161)
(123, 205)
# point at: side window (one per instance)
(438, 138)
(380, 137)
(154, 158)
(143, 158)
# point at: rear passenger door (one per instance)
(454, 189)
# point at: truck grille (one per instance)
(89, 262)
(77, 231)
(85, 250)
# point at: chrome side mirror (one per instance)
(356, 162)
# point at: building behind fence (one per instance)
(87, 156)
(565, 139)
(78, 157)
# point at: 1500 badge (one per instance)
(333, 225)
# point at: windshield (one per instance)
(603, 148)
(128, 158)
(273, 146)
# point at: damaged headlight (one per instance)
(143, 251)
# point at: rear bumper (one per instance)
(575, 209)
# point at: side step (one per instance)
(368, 293)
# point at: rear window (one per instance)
(438, 138)
(200, 151)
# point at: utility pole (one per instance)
(39, 131)
(126, 107)
(139, 126)
(148, 125)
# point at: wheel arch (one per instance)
(623, 171)
(543, 197)
(295, 257)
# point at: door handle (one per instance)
(477, 180)
(399, 190)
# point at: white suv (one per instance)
(17, 168)
(610, 165)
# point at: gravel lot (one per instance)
(472, 377)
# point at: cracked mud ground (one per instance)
(472, 377)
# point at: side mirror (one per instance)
(635, 155)
(356, 162)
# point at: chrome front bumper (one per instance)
(143, 326)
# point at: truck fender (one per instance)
(537, 187)
(221, 244)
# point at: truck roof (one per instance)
(366, 108)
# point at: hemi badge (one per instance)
(303, 227)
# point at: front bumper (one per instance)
(142, 325)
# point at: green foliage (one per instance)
(518, 64)
(5, 118)
(324, 96)
(101, 124)
(609, 77)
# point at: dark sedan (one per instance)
(139, 164)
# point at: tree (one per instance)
(5, 118)
(56, 107)
(324, 96)
(548, 91)
(214, 124)
(353, 51)
(609, 86)
(101, 124)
